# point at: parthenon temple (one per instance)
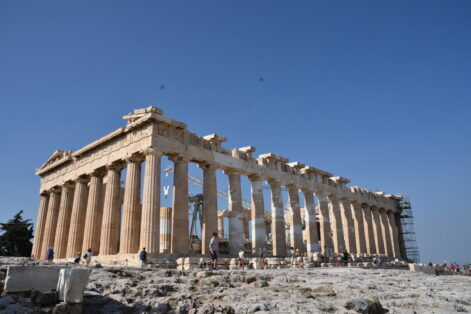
(84, 204)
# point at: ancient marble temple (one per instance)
(84, 204)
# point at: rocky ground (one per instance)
(313, 290)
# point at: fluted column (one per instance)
(348, 225)
(180, 242)
(258, 215)
(221, 226)
(94, 215)
(150, 222)
(165, 229)
(51, 221)
(369, 230)
(312, 239)
(77, 221)
(63, 220)
(210, 205)
(388, 246)
(131, 220)
(40, 224)
(327, 245)
(336, 223)
(377, 230)
(394, 234)
(296, 231)
(278, 234)
(358, 222)
(236, 217)
(111, 211)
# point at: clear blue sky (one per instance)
(375, 91)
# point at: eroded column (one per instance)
(296, 231)
(258, 215)
(369, 230)
(388, 247)
(94, 216)
(77, 221)
(63, 220)
(180, 242)
(40, 225)
(278, 220)
(379, 243)
(221, 226)
(165, 229)
(150, 221)
(348, 225)
(394, 234)
(51, 221)
(111, 211)
(358, 222)
(236, 215)
(210, 205)
(312, 238)
(336, 224)
(326, 241)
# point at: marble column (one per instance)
(77, 221)
(150, 222)
(165, 229)
(63, 220)
(358, 223)
(296, 230)
(336, 224)
(51, 221)
(348, 225)
(369, 230)
(277, 220)
(131, 220)
(388, 246)
(210, 205)
(94, 215)
(326, 241)
(246, 221)
(109, 239)
(180, 242)
(394, 234)
(258, 215)
(312, 238)
(236, 215)
(377, 230)
(40, 223)
(221, 226)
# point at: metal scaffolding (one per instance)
(407, 240)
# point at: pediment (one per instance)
(58, 155)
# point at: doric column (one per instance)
(63, 220)
(221, 226)
(210, 205)
(51, 221)
(358, 223)
(278, 235)
(180, 242)
(150, 222)
(377, 230)
(327, 245)
(369, 230)
(236, 218)
(296, 231)
(394, 234)
(312, 239)
(77, 221)
(336, 223)
(131, 220)
(388, 246)
(111, 211)
(40, 223)
(94, 216)
(258, 215)
(246, 225)
(165, 229)
(348, 225)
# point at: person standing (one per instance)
(213, 249)
(88, 256)
(78, 258)
(143, 257)
(50, 255)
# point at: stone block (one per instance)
(422, 268)
(72, 283)
(28, 278)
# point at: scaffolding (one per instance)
(407, 239)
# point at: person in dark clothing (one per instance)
(143, 257)
(346, 255)
(50, 254)
(78, 258)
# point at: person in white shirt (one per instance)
(213, 248)
(241, 258)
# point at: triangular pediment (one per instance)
(55, 157)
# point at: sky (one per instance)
(375, 91)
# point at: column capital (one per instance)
(152, 151)
(207, 165)
(82, 179)
(178, 158)
(307, 190)
(55, 190)
(255, 177)
(116, 165)
(134, 157)
(273, 183)
(98, 173)
(291, 186)
(333, 197)
(44, 193)
(231, 171)
(69, 184)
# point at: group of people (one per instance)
(78, 259)
(461, 270)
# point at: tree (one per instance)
(16, 235)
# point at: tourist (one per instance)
(78, 258)
(213, 248)
(346, 255)
(263, 256)
(430, 263)
(353, 258)
(50, 255)
(143, 257)
(241, 258)
(299, 258)
(88, 256)
(292, 252)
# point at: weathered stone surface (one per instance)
(43, 298)
(28, 278)
(72, 283)
(366, 306)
